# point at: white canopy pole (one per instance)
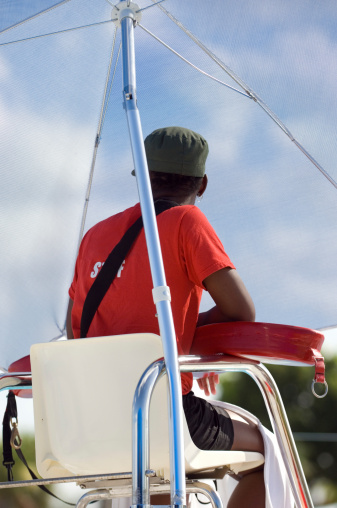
(127, 13)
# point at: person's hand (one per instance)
(208, 383)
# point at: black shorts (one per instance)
(211, 427)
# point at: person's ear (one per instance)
(203, 185)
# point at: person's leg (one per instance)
(247, 436)
(214, 428)
(160, 499)
(164, 499)
(210, 426)
(250, 490)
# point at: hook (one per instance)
(15, 435)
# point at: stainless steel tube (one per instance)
(164, 312)
(140, 434)
(194, 487)
(202, 488)
(94, 495)
(276, 411)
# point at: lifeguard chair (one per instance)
(83, 424)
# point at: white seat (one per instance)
(82, 394)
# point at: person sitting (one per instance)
(194, 260)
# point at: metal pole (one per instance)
(276, 411)
(127, 15)
(141, 434)
(272, 398)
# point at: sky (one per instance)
(273, 210)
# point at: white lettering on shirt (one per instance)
(119, 273)
(98, 266)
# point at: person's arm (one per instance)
(232, 303)
(70, 334)
(231, 298)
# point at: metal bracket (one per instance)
(126, 9)
(161, 293)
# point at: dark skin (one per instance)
(232, 303)
(180, 197)
(232, 300)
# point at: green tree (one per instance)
(306, 414)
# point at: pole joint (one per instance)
(126, 9)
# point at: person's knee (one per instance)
(247, 436)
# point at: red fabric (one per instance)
(191, 252)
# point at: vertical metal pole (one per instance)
(140, 433)
(161, 291)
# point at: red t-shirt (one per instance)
(191, 252)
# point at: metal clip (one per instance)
(315, 393)
(15, 436)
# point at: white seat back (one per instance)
(83, 392)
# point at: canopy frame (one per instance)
(128, 13)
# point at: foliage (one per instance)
(306, 414)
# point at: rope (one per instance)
(250, 93)
(104, 107)
(191, 64)
(34, 16)
(55, 33)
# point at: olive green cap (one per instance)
(176, 150)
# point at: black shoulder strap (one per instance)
(11, 412)
(8, 462)
(111, 266)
